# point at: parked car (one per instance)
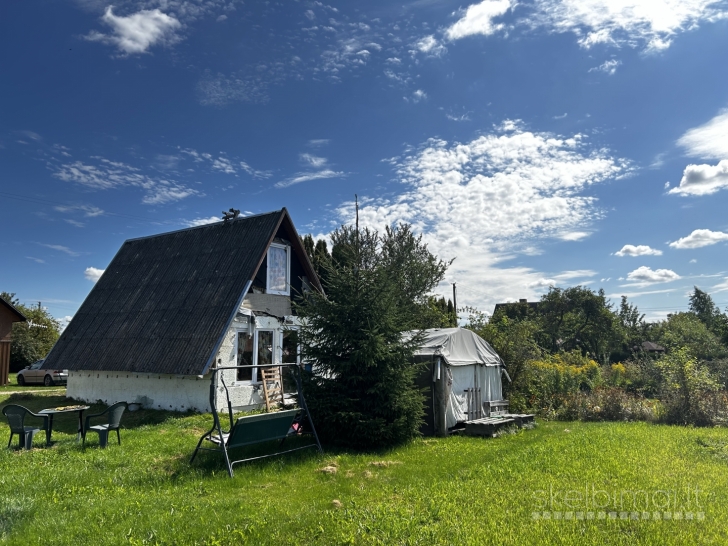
(33, 374)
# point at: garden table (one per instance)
(64, 409)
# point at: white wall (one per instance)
(177, 392)
(152, 391)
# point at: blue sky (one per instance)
(544, 142)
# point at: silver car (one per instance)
(33, 374)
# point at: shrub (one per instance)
(608, 404)
(555, 378)
(689, 389)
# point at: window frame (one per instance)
(254, 380)
(287, 250)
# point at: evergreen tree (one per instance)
(362, 392)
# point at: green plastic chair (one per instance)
(114, 412)
(16, 417)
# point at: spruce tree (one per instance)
(362, 392)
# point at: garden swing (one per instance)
(254, 429)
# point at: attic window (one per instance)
(279, 270)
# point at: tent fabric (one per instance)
(488, 378)
(458, 347)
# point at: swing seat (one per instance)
(255, 429)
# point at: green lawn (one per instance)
(435, 491)
(14, 387)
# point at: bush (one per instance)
(552, 380)
(689, 389)
(608, 404)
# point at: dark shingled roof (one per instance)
(165, 301)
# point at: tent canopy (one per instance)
(458, 347)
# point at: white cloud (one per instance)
(93, 274)
(203, 221)
(573, 235)
(223, 164)
(305, 177)
(418, 96)
(61, 248)
(478, 19)
(648, 24)
(315, 161)
(721, 287)
(703, 179)
(36, 260)
(608, 67)
(137, 32)
(644, 276)
(108, 175)
(255, 173)
(638, 250)
(429, 45)
(485, 201)
(700, 238)
(709, 141)
(90, 211)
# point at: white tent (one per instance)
(465, 371)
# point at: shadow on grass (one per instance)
(208, 462)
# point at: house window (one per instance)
(290, 352)
(245, 356)
(279, 267)
(256, 350)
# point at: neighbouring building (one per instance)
(170, 307)
(8, 315)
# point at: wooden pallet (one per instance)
(488, 426)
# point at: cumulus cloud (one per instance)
(478, 19)
(709, 141)
(638, 250)
(703, 179)
(650, 25)
(93, 274)
(106, 175)
(643, 276)
(700, 238)
(484, 201)
(429, 45)
(138, 32)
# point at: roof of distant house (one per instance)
(165, 301)
(20, 316)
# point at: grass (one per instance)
(13, 386)
(455, 490)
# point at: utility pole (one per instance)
(38, 306)
(455, 302)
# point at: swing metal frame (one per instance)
(257, 428)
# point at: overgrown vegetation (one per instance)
(455, 490)
(574, 355)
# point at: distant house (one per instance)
(8, 315)
(649, 347)
(516, 310)
(170, 307)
